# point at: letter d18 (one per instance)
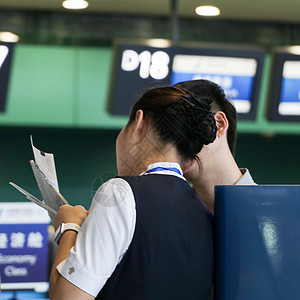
(155, 65)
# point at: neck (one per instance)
(151, 157)
(215, 173)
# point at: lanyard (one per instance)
(164, 169)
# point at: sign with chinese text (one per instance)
(23, 246)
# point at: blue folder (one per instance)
(257, 230)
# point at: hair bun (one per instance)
(178, 118)
(195, 123)
(200, 120)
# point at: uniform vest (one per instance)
(171, 253)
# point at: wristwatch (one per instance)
(63, 227)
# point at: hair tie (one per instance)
(187, 99)
(201, 104)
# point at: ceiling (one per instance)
(262, 10)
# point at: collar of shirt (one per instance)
(246, 179)
(165, 169)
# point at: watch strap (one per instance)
(63, 228)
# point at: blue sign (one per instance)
(23, 246)
(23, 252)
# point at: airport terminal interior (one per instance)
(69, 77)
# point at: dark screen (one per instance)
(6, 52)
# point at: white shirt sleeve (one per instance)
(103, 239)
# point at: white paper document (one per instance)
(45, 174)
(33, 199)
(45, 162)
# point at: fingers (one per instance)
(70, 214)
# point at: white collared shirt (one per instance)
(106, 233)
(246, 179)
(165, 169)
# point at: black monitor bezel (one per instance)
(5, 76)
(275, 87)
(199, 49)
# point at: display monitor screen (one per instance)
(235, 75)
(137, 67)
(6, 52)
(284, 99)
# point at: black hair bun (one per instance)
(193, 124)
(205, 128)
(178, 118)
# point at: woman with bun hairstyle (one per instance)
(146, 234)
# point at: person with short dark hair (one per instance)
(147, 235)
(218, 166)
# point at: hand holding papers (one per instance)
(45, 174)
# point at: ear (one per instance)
(140, 125)
(221, 122)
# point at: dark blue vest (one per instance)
(171, 254)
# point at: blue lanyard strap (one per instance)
(164, 169)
